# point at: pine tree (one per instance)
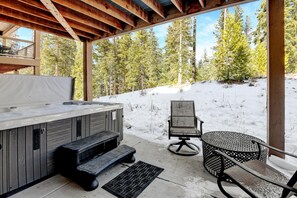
(101, 69)
(248, 29)
(259, 60)
(77, 72)
(124, 45)
(178, 51)
(290, 32)
(231, 55)
(57, 55)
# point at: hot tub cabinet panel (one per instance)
(23, 156)
(58, 133)
(27, 153)
(97, 122)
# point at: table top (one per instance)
(232, 141)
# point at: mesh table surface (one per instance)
(237, 145)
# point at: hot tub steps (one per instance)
(91, 169)
(83, 160)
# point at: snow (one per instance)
(237, 107)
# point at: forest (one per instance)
(135, 61)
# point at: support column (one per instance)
(276, 75)
(87, 70)
(36, 68)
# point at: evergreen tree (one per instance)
(259, 60)
(290, 32)
(231, 55)
(124, 45)
(178, 51)
(77, 72)
(248, 29)
(57, 55)
(101, 69)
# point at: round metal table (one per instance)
(237, 145)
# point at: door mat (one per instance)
(131, 182)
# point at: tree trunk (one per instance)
(57, 61)
(194, 70)
(179, 81)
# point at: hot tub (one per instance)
(33, 126)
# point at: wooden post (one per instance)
(37, 52)
(87, 70)
(276, 77)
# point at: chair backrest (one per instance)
(183, 114)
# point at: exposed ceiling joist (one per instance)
(33, 26)
(91, 12)
(42, 22)
(202, 3)
(178, 4)
(130, 6)
(111, 10)
(156, 6)
(11, 29)
(191, 8)
(40, 10)
(51, 7)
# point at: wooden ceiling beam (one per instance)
(39, 21)
(110, 9)
(156, 6)
(178, 4)
(191, 8)
(11, 29)
(130, 6)
(202, 3)
(33, 26)
(55, 12)
(39, 10)
(91, 12)
(27, 8)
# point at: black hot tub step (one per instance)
(84, 144)
(71, 155)
(88, 172)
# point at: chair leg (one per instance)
(195, 149)
(219, 181)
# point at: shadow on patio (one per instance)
(182, 176)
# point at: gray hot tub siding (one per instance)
(20, 164)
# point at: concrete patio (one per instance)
(182, 176)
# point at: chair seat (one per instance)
(185, 132)
(259, 187)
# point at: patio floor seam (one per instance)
(56, 189)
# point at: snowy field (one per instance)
(236, 107)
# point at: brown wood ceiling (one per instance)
(89, 20)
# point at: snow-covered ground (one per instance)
(236, 107)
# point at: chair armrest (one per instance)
(251, 171)
(273, 148)
(199, 119)
(201, 122)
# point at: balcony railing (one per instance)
(14, 47)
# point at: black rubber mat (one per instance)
(131, 182)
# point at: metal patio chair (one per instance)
(182, 123)
(257, 178)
